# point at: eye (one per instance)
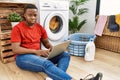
(35, 15)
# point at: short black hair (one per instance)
(29, 6)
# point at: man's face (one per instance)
(30, 16)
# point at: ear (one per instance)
(24, 15)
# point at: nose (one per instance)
(33, 17)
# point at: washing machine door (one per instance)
(56, 26)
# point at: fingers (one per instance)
(50, 49)
(46, 53)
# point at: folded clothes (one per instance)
(117, 19)
(113, 27)
(100, 25)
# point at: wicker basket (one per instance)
(78, 43)
(110, 43)
(109, 40)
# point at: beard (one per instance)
(30, 23)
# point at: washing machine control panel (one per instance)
(54, 5)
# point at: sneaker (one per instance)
(48, 78)
(97, 77)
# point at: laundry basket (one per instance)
(78, 43)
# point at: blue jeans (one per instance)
(36, 63)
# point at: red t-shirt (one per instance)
(29, 37)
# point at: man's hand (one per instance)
(43, 53)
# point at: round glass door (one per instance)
(55, 25)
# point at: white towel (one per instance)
(100, 25)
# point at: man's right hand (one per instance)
(43, 53)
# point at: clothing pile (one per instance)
(113, 22)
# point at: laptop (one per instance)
(58, 49)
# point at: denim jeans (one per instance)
(36, 63)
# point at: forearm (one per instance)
(48, 45)
(17, 49)
(22, 50)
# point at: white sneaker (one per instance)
(47, 78)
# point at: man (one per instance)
(26, 38)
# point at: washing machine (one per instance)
(53, 16)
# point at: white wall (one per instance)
(111, 8)
(107, 7)
(18, 1)
(90, 16)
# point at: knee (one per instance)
(47, 64)
(66, 54)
